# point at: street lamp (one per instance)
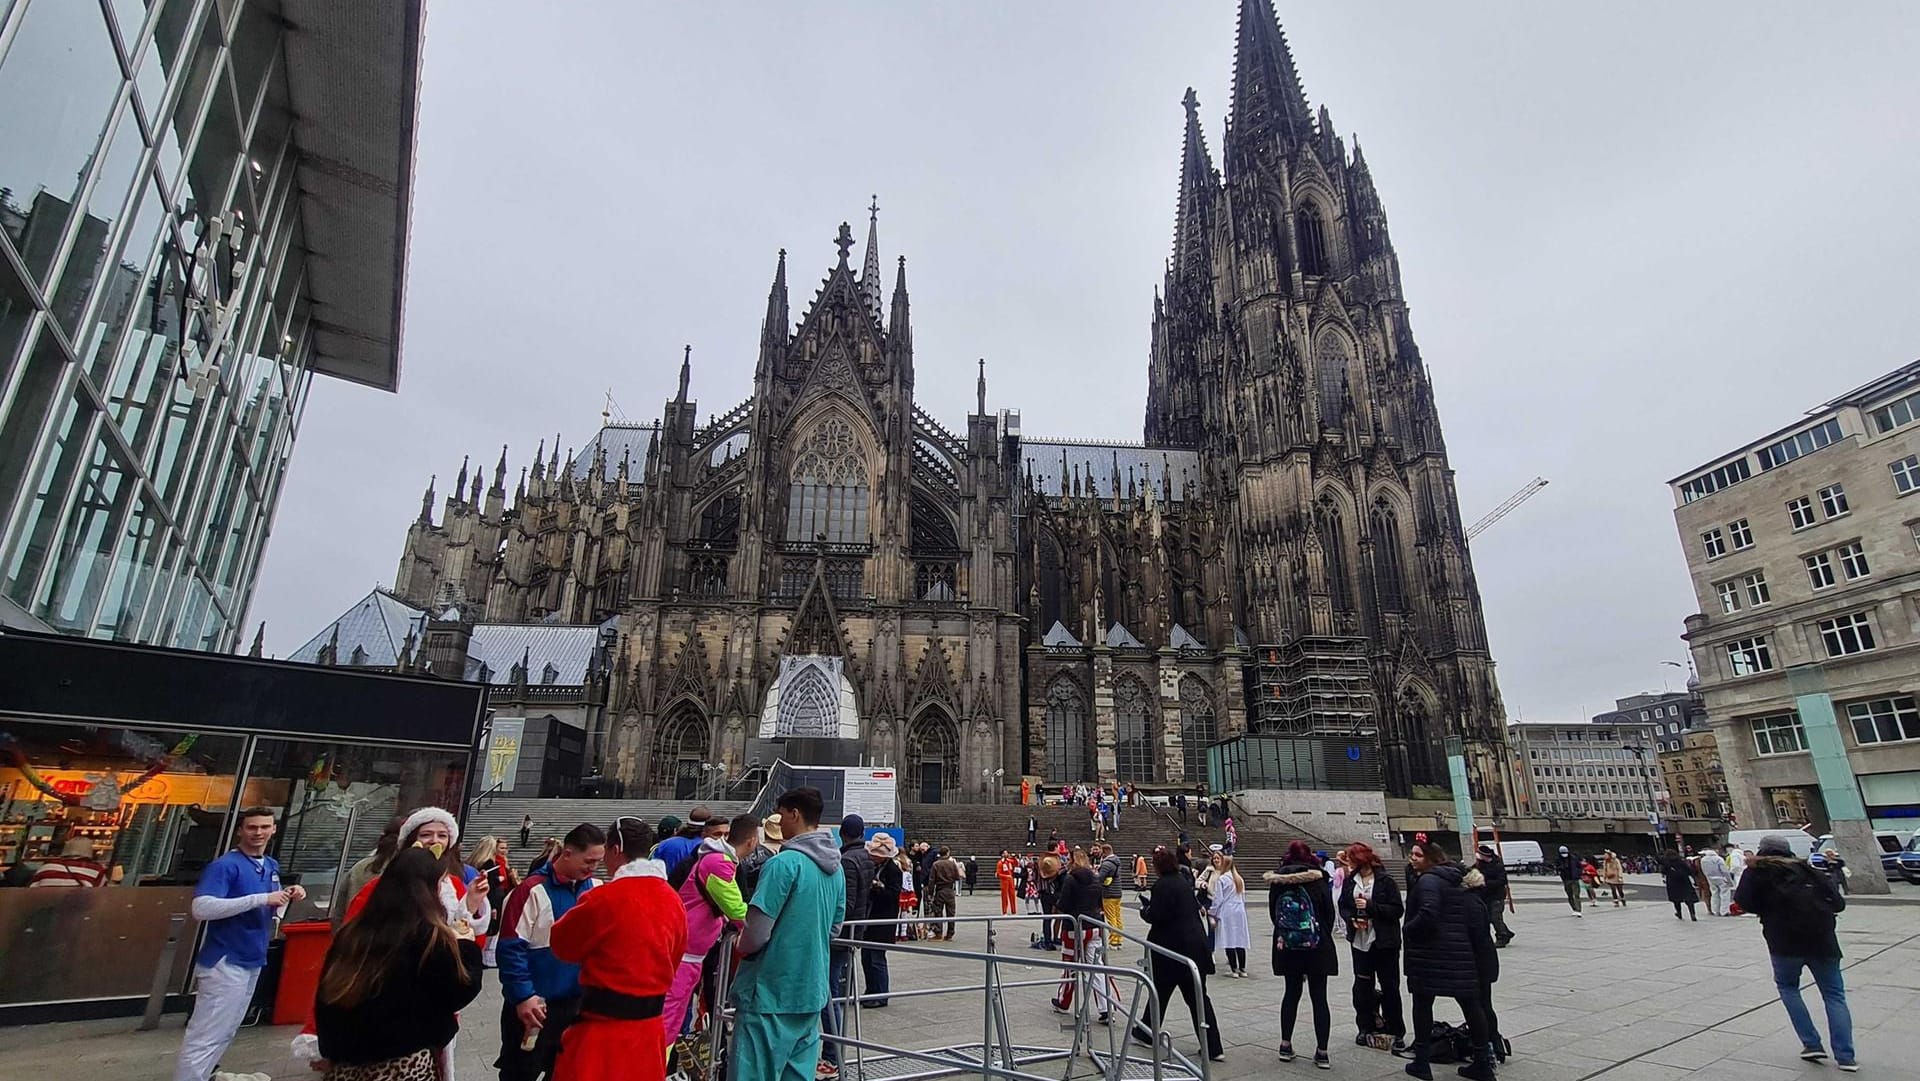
(1639, 752)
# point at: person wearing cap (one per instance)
(1494, 870)
(859, 872)
(1797, 906)
(677, 847)
(1569, 868)
(748, 875)
(883, 904)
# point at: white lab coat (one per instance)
(1230, 908)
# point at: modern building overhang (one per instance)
(353, 79)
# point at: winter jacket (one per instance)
(710, 896)
(1768, 888)
(1679, 878)
(946, 872)
(1172, 913)
(1494, 869)
(1324, 958)
(527, 965)
(859, 870)
(1109, 875)
(1079, 894)
(883, 896)
(1486, 955)
(1384, 908)
(415, 1009)
(1439, 935)
(676, 848)
(1569, 867)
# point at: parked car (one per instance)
(1909, 861)
(1891, 843)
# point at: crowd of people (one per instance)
(621, 977)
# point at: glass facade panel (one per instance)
(86, 266)
(33, 537)
(133, 566)
(86, 541)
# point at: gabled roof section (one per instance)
(1119, 637)
(1178, 638)
(617, 441)
(1059, 637)
(567, 647)
(378, 624)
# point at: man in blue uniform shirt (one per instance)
(237, 899)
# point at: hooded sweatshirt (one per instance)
(709, 895)
(794, 913)
(1796, 906)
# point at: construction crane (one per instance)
(1506, 508)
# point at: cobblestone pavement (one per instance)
(1624, 994)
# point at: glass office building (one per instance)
(203, 206)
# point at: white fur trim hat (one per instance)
(431, 814)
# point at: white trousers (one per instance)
(1719, 894)
(221, 1004)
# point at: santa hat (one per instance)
(431, 814)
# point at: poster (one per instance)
(872, 793)
(503, 753)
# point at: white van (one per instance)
(1522, 855)
(1749, 840)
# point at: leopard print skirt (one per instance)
(415, 1067)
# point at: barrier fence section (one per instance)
(996, 1055)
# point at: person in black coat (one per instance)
(1680, 889)
(1494, 870)
(1304, 957)
(883, 903)
(1080, 897)
(1172, 912)
(1370, 903)
(1442, 925)
(1798, 906)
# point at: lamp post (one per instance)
(1639, 752)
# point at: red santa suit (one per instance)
(627, 937)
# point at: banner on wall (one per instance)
(871, 793)
(503, 753)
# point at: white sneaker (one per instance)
(1579, 914)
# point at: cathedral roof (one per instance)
(1053, 462)
(378, 625)
(1059, 637)
(1180, 638)
(1119, 637)
(567, 647)
(617, 441)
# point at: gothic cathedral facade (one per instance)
(1282, 553)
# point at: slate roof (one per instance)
(1119, 637)
(568, 647)
(1180, 638)
(1059, 637)
(378, 624)
(618, 440)
(1052, 463)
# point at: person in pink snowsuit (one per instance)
(712, 901)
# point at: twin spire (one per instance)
(1267, 96)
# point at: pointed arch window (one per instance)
(1333, 551)
(1052, 583)
(1066, 733)
(1313, 240)
(1199, 727)
(1389, 579)
(827, 499)
(1330, 372)
(720, 522)
(1134, 759)
(679, 746)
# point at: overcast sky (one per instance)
(1632, 237)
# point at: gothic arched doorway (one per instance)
(679, 748)
(1199, 727)
(933, 756)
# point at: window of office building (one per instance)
(1846, 635)
(1793, 446)
(1800, 511)
(1757, 592)
(1780, 734)
(1833, 500)
(1749, 655)
(1819, 570)
(1906, 473)
(1729, 603)
(1714, 543)
(1741, 534)
(1896, 414)
(1853, 560)
(1885, 720)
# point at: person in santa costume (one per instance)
(627, 937)
(463, 893)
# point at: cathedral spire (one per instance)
(774, 328)
(1267, 97)
(460, 486)
(1193, 218)
(540, 460)
(426, 502)
(980, 388)
(899, 326)
(870, 272)
(500, 473)
(686, 375)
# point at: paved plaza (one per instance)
(1623, 994)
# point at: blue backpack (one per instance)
(1294, 926)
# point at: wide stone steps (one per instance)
(500, 817)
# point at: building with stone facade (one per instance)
(1586, 769)
(1283, 552)
(1805, 558)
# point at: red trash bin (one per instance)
(306, 953)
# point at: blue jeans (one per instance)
(838, 971)
(1826, 976)
(874, 977)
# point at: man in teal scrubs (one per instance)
(782, 983)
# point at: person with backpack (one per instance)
(1797, 906)
(1370, 903)
(1300, 903)
(1172, 912)
(1443, 924)
(704, 882)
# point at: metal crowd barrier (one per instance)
(995, 1054)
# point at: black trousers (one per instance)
(517, 1065)
(1473, 1008)
(1499, 914)
(1376, 990)
(1169, 974)
(1236, 959)
(1315, 984)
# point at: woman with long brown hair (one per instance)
(395, 979)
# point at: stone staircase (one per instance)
(500, 817)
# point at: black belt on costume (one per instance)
(620, 1007)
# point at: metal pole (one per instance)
(157, 991)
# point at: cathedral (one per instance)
(1281, 553)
